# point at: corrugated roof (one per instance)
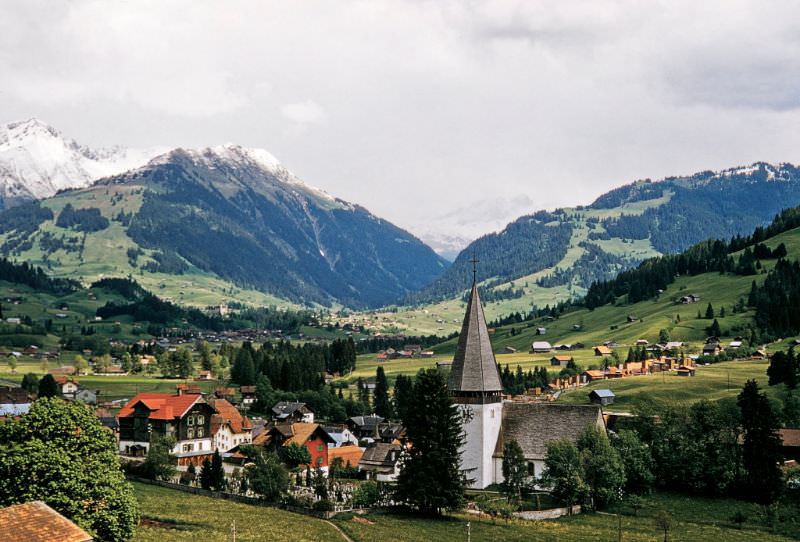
(533, 425)
(603, 393)
(36, 522)
(474, 367)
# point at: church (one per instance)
(489, 421)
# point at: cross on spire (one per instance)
(474, 262)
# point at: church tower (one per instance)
(477, 390)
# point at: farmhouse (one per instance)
(711, 349)
(685, 370)
(365, 426)
(381, 462)
(488, 422)
(67, 387)
(561, 361)
(290, 411)
(184, 416)
(602, 350)
(310, 435)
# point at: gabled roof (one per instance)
(349, 454)
(227, 413)
(284, 409)
(380, 457)
(533, 425)
(293, 433)
(474, 367)
(602, 393)
(36, 522)
(162, 406)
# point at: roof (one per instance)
(378, 457)
(283, 409)
(369, 421)
(163, 406)
(533, 425)
(61, 380)
(349, 454)
(790, 437)
(562, 358)
(603, 350)
(227, 413)
(595, 373)
(541, 345)
(36, 522)
(602, 393)
(293, 433)
(474, 367)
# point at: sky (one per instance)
(449, 118)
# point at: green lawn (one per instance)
(174, 516)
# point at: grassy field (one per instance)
(174, 516)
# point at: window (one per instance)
(190, 420)
(531, 469)
(190, 433)
(199, 432)
(320, 447)
(201, 420)
(188, 447)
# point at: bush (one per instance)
(368, 494)
(324, 505)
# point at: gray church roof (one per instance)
(533, 425)
(474, 368)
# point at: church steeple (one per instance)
(474, 372)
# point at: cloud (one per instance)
(307, 112)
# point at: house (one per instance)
(204, 375)
(310, 435)
(561, 361)
(509, 350)
(735, 344)
(601, 397)
(349, 456)
(228, 427)
(711, 349)
(426, 354)
(391, 432)
(642, 342)
(602, 350)
(225, 393)
(248, 395)
(790, 443)
(35, 521)
(291, 411)
(183, 416)
(593, 374)
(413, 348)
(381, 462)
(341, 435)
(674, 345)
(533, 425)
(87, 396)
(365, 426)
(541, 330)
(632, 318)
(14, 401)
(67, 387)
(541, 346)
(64, 370)
(687, 299)
(685, 370)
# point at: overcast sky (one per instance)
(444, 117)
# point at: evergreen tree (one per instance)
(48, 387)
(403, 390)
(514, 470)
(709, 312)
(714, 330)
(217, 473)
(430, 477)
(30, 382)
(761, 448)
(205, 474)
(383, 406)
(243, 371)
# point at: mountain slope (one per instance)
(36, 161)
(227, 214)
(574, 247)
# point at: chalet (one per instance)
(601, 397)
(292, 411)
(711, 349)
(602, 350)
(35, 521)
(735, 344)
(310, 435)
(381, 462)
(228, 427)
(685, 370)
(687, 299)
(67, 387)
(365, 426)
(541, 347)
(391, 432)
(592, 374)
(204, 375)
(674, 345)
(248, 395)
(183, 416)
(561, 361)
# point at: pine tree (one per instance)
(709, 312)
(430, 477)
(217, 474)
(761, 448)
(383, 406)
(403, 390)
(205, 474)
(48, 386)
(243, 371)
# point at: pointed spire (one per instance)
(474, 367)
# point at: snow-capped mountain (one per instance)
(36, 161)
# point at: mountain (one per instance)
(565, 250)
(36, 161)
(192, 223)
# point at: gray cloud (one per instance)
(420, 109)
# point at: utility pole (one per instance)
(233, 530)
(469, 533)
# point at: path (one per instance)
(341, 532)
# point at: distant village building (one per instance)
(381, 462)
(310, 435)
(601, 397)
(292, 411)
(561, 361)
(538, 347)
(602, 350)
